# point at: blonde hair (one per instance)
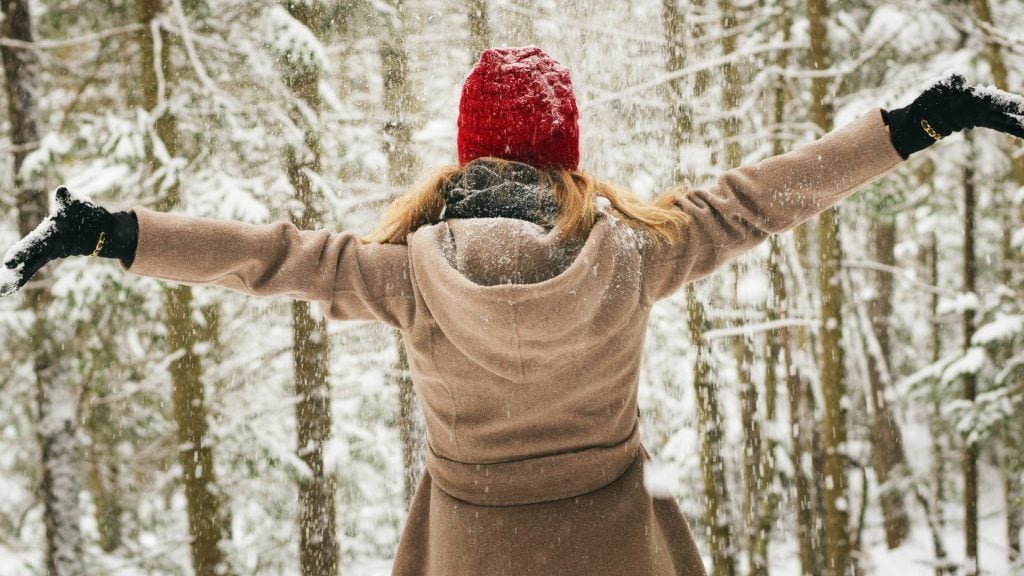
(574, 191)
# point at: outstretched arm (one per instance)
(350, 280)
(76, 227)
(749, 203)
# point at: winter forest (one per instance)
(845, 399)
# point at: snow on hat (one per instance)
(518, 104)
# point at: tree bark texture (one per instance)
(56, 401)
(479, 28)
(318, 544)
(717, 524)
(400, 108)
(709, 426)
(888, 458)
(994, 57)
(208, 519)
(1013, 496)
(970, 381)
(104, 472)
(836, 496)
(755, 465)
(782, 351)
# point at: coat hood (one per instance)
(508, 292)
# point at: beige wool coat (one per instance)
(525, 352)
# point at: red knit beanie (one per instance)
(517, 104)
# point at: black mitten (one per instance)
(949, 105)
(76, 228)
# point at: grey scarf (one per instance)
(483, 191)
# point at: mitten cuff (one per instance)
(122, 237)
(907, 131)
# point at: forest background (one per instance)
(844, 399)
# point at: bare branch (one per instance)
(70, 42)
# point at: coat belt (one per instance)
(534, 480)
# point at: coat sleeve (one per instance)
(349, 279)
(749, 203)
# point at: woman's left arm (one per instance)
(747, 204)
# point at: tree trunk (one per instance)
(781, 352)
(755, 463)
(888, 458)
(479, 28)
(399, 106)
(318, 545)
(836, 497)
(993, 54)
(934, 509)
(104, 469)
(1013, 496)
(717, 524)
(998, 67)
(709, 425)
(522, 30)
(938, 451)
(970, 383)
(208, 518)
(56, 401)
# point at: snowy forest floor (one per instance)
(913, 558)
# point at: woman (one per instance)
(523, 287)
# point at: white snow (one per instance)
(1002, 328)
(970, 363)
(1017, 239)
(958, 304)
(293, 40)
(658, 480)
(948, 77)
(98, 179)
(51, 146)
(1013, 103)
